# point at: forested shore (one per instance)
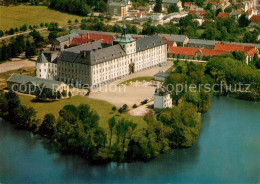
(77, 131)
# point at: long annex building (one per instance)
(94, 65)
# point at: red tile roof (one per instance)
(79, 41)
(187, 4)
(170, 43)
(213, 2)
(255, 18)
(211, 52)
(136, 14)
(137, 37)
(249, 12)
(228, 47)
(248, 50)
(223, 14)
(201, 12)
(191, 51)
(188, 51)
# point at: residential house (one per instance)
(187, 6)
(181, 40)
(119, 8)
(167, 3)
(223, 15)
(157, 18)
(246, 5)
(197, 13)
(255, 20)
(147, 9)
(251, 12)
(215, 4)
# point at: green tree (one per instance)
(111, 124)
(114, 109)
(228, 9)
(58, 95)
(101, 6)
(208, 6)
(52, 36)
(199, 3)
(240, 56)
(37, 37)
(30, 50)
(1, 33)
(243, 21)
(48, 125)
(3, 104)
(158, 6)
(173, 8)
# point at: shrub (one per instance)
(134, 106)
(144, 102)
(123, 109)
(114, 109)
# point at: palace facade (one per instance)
(95, 66)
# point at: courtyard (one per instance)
(131, 93)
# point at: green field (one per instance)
(16, 16)
(104, 109)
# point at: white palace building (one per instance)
(95, 65)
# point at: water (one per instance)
(228, 151)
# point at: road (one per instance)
(27, 32)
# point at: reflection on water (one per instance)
(227, 151)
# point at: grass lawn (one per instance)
(104, 109)
(148, 78)
(16, 16)
(200, 32)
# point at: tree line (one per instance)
(77, 131)
(98, 25)
(226, 69)
(18, 45)
(34, 40)
(79, 7)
